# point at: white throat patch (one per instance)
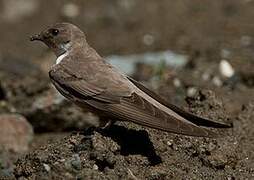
(66, 48)
(60, 58)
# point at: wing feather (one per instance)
(99, 87)
(153, 117)
(199, 121)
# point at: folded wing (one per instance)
(199, 121)
(117, 99)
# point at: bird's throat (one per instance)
(61, 57)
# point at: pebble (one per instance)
(206, 76)
(226, 69)
(95, 167)
(177, 82)
(217, 161)
(148, 39)
(191, 91)
(211, 146)
(6, 173)
(47, 167)
(76, 162)
(70, 10)
(217, 81)
(170, 143)
(225, 53)
(15, 132)
(246, 41)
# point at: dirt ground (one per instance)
(206, 31)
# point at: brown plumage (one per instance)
(85, 78)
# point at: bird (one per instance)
(85, 78)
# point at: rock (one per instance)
(217, 81)
(73, 163)
(206, 76)
(246, 41)
(226, 69)
(191, 91)
(225, 53)
(217, 161)
(6, 173)
(47, 167)
(148, 39)
(95, 167)
(177, 82)
(15, 132)
(76, 163)
(70, 10)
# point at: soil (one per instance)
(206, 31)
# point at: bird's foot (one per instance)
(89, 132)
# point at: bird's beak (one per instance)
(36, 37)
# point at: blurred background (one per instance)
(177, 48)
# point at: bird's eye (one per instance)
(55, 32)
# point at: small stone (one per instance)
(206, 76)
(62, 160)
(148, 39)
(76, 162)
(47, 167)
(226, 69)
(217, 81)
(70, 10)
(225, 53)
(211, 146)
(15, 132)
(170, 143)
(188, 145)
(217, 161)
(230, 178)
(191, 91)
(246, 41)
(177, 82)
(95, 167)
(6, 173)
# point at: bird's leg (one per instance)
(108, 124)
(105, 123)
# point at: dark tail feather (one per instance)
(190, 117)
(199, 121)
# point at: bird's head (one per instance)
(61, 37)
